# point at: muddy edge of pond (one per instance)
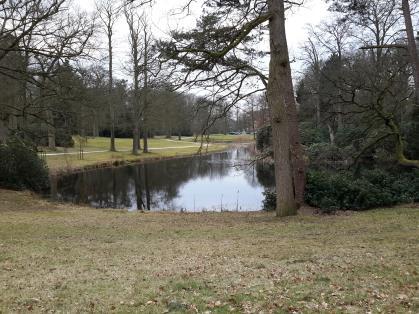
(122, 162)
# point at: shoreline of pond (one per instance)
(69, 170)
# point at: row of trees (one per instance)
(359, 88)
(53, 86)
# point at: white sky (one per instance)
(163, 20)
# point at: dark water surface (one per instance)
(216, 182)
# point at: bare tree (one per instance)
(146, 63)
(133, 20)
(411, 46)
(44, 34)
(109, 11)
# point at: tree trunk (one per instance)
(278, 89)
(145, 140)
(51, 130)
(331, 134)
(411, 45)
(139, 138)
(110, 88)
(135, 139)
(297, 156)
(145, 135)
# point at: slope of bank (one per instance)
(96, 154)
(72, 259)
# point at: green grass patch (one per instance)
(160, 148)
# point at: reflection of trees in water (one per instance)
(153, 185)
(265, 174)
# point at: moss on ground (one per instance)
(60, 257)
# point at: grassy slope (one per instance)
(73, 259)
(222, 138)
(66, 162)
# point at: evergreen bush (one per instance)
(21, 167)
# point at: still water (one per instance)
(225, 181)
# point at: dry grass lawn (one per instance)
(63, 258)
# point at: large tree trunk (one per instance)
(278, 95)
(411, 45)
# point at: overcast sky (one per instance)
(163, 20)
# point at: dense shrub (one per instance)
(372, 188)
(328, 155)
(345, 190)
(310, 134)
(269, 202)
(21, 168)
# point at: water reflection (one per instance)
(221, 181)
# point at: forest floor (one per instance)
(97, 154)
(66, 258)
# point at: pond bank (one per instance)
(71, 165)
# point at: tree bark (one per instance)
(411, 46)
(51, 130)
(278, 96)
(297, 159)
(110, 88)
(145, 113)
(145, 140)
(135, 138)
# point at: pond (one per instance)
(226, 181)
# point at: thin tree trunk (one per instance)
(411, 45)
(278, 89)
(145, 135)
(145, 141)
(253, 122)
(110, 88)
(139, 138)
(135, 140)
(331, 134)
(51, 130)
